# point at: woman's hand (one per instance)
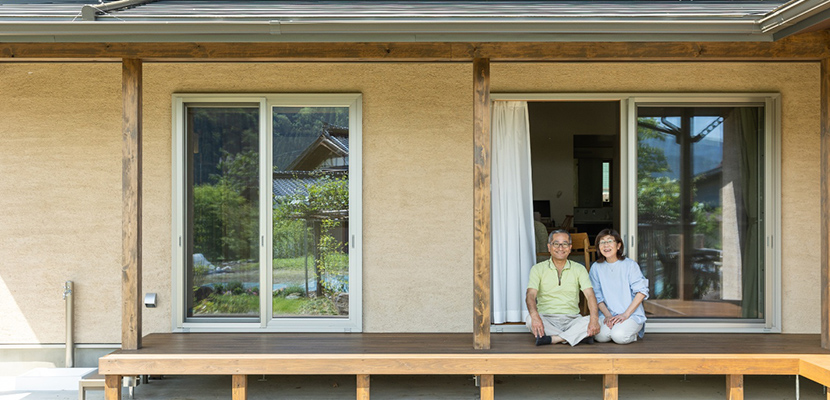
(615, 320)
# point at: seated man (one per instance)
(553, 296)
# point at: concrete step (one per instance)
(49, 379)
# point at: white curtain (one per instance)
(512, 215)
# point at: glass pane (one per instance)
(222, 204)
(699, 199)
(311, 211)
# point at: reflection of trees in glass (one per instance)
(660, 209)
(225, 179)
(658, 195)
(324, 208)
(224, 144)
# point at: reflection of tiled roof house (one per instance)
(292, 182)
(329, 153)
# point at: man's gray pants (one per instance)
(572, 328)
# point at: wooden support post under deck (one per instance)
(610, 387)
(734, 387)
(825, 203)
(363, 387)
(240, 387)
(481, 203)
(112, 387)
(131, 76)
(487, 384)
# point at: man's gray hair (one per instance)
(557, 231)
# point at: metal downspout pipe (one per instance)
(70, 340)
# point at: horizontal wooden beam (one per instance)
(449, 364)
(816, 369)
(806, 46)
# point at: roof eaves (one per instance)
(332, 30)
(794, 12)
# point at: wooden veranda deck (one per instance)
(242, 354)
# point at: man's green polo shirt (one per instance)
(555, 297)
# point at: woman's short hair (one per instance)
(610, 232)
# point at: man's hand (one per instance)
(593, 326)
(536, 326)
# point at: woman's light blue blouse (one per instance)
(617, 283)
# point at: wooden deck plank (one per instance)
(459, 343)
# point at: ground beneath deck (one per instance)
(451, 387)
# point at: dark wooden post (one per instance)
(131, 73)
(825, 203)
(481, 200)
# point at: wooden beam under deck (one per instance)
(363, 355)
(806, 46)
(451, 354)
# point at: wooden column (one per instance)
(487, 383)
(239, 386)
(481, 203)
(825, 203)
(112, 387)
(131, 73)
(734, 387)
(610, 387)
(363, 387)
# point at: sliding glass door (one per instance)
(701, 191)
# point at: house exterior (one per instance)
(74, 77)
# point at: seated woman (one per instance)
(620, 288)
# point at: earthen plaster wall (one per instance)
(60, 175)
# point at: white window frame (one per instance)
(628, 181)
(265, 321)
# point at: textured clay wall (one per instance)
(60, 176)
(60, 179)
